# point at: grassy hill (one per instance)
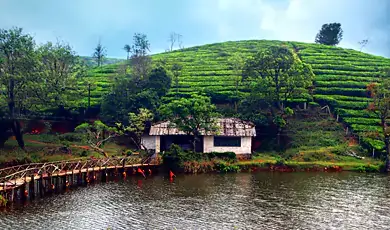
(341, 77)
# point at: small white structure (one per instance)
(234, 135)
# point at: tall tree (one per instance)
(280, 72)
(99, 54)
(330, 34)
(175, 39)
(380, 93)
(59, 69)
(127, 48)
(176, 70)
(140, 60)
(363, 44)
(159, 81)
(194, 116)
(275, 75)
(18, 62)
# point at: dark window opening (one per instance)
(227, 141)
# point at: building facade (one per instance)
(233, 135)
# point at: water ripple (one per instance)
(231, 201)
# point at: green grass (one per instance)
(346, 163)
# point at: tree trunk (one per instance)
(278, 136)
(18, 133)
(99, 150)
(194, 144)
(16, 129)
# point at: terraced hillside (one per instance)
(100, 80)
(341, 77)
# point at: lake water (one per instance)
(216, 201)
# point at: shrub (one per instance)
(368, 168)
(229, 156)
(175, 157)
(71, 137)
(225, 167)
(84, 153)
(199, 166)
(280, 162)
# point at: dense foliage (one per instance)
(195, 116)
(131, 93)
(330, 34)
(380, 106)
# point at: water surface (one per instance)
(217, 201)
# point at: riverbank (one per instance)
(265, 162)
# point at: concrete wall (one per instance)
(246, 146)
(151, 142)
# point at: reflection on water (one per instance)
(229, 201)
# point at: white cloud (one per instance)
(300, 20)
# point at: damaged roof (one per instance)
(227, 127)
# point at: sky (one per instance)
(82, 23)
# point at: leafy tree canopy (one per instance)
(330, 34)
(137, 126)
(276, 75)
(99, 54)
(191, 115)
(130, 94)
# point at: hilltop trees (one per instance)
(175, 38)
(99, 54)
(191, 115)
(330, 34)
(380, 93)
(127, 48)
(363, 43)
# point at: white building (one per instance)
(234, 135)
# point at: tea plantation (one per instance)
(341, 77)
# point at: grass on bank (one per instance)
(345, 163)
(44, 148)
